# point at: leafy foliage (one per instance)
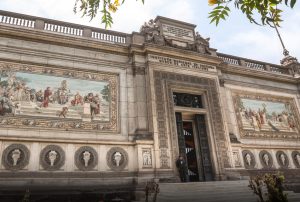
(267, 10)
(91, 8)
(273, 184)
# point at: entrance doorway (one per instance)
(193, 145)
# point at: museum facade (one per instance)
(83, 107)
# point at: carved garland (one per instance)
(57, 124)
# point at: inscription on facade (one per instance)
(169, 30)
(181, 63)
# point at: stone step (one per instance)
(216, 191)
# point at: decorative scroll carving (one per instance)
(117, 158)
(249, 159)
(261, 116)
(52, 157)
(86, 158)
(282, 159)
(27, 103)
(266, 159)
(15, 157)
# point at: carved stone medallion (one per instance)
(249, 159)
(282, 159)
(86, 158)
(296, 158)
(52, 157)
(117, 158)
(266, 159)
(15, 157)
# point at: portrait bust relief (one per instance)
(249, 159)
(282, 159)
(52, 157)
(266, 159)
(86, 158)
(15, 157)
(117, 158)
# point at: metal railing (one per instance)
(60, 27)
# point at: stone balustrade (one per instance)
(32, 22)
(253, 64)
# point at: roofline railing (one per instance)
(71, 29)
(254, 64)
(61, 27)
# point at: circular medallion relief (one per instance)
(282, 159)
(86, 158)
(52, 157)
(296, 158)
(266, 159)
(15, 157)
(249, 159)
(117, 158)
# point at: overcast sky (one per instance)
(236, 36)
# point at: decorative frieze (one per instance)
(15, 157)
(181, 63)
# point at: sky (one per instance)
(235, 36)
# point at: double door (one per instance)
(194, 146)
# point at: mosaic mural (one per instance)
(266, 116)
(80, 99)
